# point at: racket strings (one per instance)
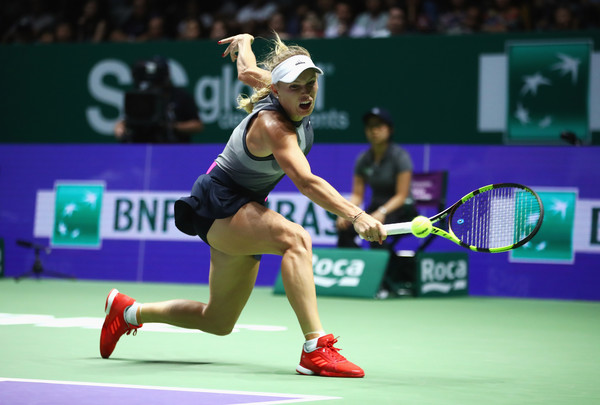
(496, 218)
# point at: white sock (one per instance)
(131, 314)
(311, 345)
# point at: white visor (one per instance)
(289, 70)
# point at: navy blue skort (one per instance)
(214, 196)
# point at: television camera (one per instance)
(149, 115)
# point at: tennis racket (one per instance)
(494, 218)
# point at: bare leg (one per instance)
(257, 230)
(232, 279)
(254, 229)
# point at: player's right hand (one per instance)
(370, 228)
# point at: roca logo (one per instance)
(432, 270)
(338, 268)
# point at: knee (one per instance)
(221, 328)
(222, 331)
(298, 239)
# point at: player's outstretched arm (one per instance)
(283, 144)
(240, 50)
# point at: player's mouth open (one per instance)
(305, 105)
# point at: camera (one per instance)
(148, 113)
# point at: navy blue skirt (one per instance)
(214, 195)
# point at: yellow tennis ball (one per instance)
(421, 226)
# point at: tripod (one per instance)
(38, 269)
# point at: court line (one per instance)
(50, 321)
(291, 398)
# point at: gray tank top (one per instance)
(259, 174)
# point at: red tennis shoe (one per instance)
(326, 361)
(114, 324)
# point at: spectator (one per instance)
(21, 32)
(10, 13)
(396, 24)
(227, 9)
(191, 22)
(277, 24)
(326, 11)
(135, 25)
(462, 18)
(539, 15)
(190, 11)
(219, 30)
(156, 30)
(453, 20)
(40, 16)
(472, 23)
(563, 19)
(387, 169)
(312, 27)
(589, 14)
(63, 32)
(257, 11)
(28, 21)
(340, 25)
(294, 22)
(373, 19)
(421, 15)
(118, 11)
(34, 20)
(189, 29)
(502, 16)
(92, 25)
(46, 36)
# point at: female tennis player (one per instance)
(227, 210)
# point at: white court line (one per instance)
(49, 321)
(293, 397)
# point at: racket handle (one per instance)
(398, 228)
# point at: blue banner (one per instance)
(106, 211)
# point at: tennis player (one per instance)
(226, 209)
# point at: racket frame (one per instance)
(405, 227)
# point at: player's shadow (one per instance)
(240, 367)
(176, 362)
(161, 361)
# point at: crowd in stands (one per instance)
(51, 21)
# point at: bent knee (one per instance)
(296, 237)
(220, 328)
(222, 331)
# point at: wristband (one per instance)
(354, 218)
(383, 210)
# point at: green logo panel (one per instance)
(548, 91)
(554, 241)
(346, 272)
(442, 274)
(77, 211)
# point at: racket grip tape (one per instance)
(398, 229)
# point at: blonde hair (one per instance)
(279, 53)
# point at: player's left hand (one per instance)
(234, 43)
